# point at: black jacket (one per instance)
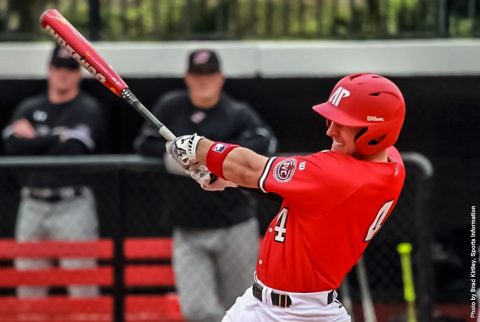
(229, 121)
(83, 120)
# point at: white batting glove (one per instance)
(183, 149)
(203, 176)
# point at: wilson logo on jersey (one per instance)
(337, 96)
(284, 171)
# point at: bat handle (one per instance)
(133, 101)
(166, 133)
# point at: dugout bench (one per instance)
(145, 262)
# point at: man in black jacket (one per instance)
(215, 234)
(63, 121)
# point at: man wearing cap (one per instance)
(63, 121)
(215, 235)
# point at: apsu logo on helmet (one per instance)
(338, 95)
(284, 171)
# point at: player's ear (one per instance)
(220, 79)
(328, 123)
(186, 79)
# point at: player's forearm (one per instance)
(241, 166)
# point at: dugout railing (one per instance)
(135, 196)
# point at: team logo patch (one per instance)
(198, 117)
(338, 95)
(201, 57)
(219, 147)
(39, 116)
(284, 171)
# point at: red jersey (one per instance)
(333, 204)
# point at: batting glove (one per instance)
(203, 176)
(183, 149)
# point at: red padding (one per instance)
(56, 304)
(101, 249)
(153, 308)
(10, 277)
(148, 248)
(148, 275)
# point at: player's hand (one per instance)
(22, 128)
(207, 181)
(183, 149)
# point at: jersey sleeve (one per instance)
(85, 131)
(298, 178)
(21, 146)
(23, 111)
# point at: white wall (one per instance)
(265, 59)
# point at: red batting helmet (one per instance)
(369, 101)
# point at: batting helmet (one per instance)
(369, 101)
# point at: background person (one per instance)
(55, 206)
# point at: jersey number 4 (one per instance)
(378, 221)
(280, 225)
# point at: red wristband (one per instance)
(216, 155)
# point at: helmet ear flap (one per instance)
(360, 133)
(373, 141)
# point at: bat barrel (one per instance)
(80, 49)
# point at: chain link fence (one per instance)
(246, 19)
(134, 196)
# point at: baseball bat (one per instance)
(82, 51)
(405, 250)
(367, 303)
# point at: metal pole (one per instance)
(286, 18)
(423, 254)
(94, 20)
(443, 23)
(472, 15)
(318, 18)
(119, 292)
(252, 19)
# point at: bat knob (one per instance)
(213, 178)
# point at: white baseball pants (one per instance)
(305, 307)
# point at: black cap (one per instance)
(203, 61)
(62, 59)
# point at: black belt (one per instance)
(279, 299)
(53, 194)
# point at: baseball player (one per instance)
(64, 121)
(334, 202)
